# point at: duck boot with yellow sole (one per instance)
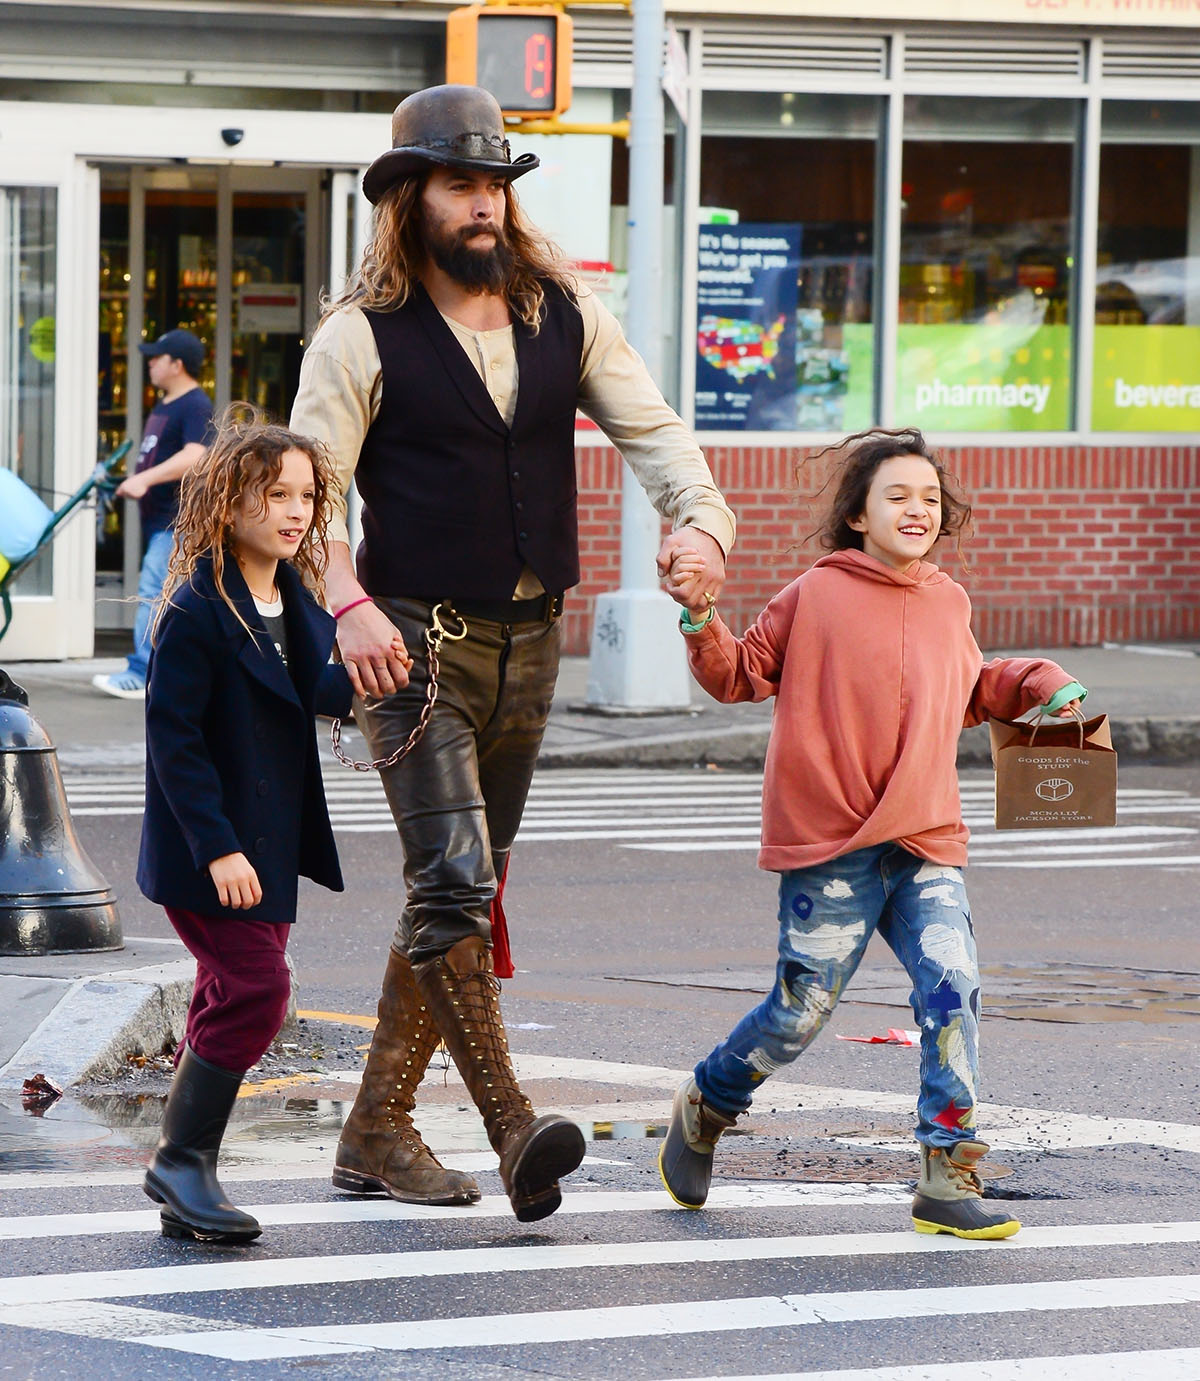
(949, 1195)
(463, 994)
(686, 1159)
(380, 1151)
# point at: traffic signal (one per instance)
(520, 53)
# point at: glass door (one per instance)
(28, 261)
(268, 308)
(225, 252)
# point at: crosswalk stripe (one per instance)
(497, 1260)
(731, 1196)
(1157, 1364)
(688, 1318)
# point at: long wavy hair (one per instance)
(235, 472)
(396, 252)
(856, 459)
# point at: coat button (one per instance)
(524, 536)
(516, 474)
(262, 788)
(260, 845)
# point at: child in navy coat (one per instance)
(235, 809)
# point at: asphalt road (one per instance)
(641, 932)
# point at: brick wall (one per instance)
(1073, 544)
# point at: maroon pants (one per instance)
(242, 987)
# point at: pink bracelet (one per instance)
(354, 603)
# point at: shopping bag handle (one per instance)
(1036, 724)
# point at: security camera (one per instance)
(233, 136)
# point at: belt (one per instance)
(543, 609)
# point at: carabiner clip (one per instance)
(440, 630)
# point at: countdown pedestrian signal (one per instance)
(520, 53)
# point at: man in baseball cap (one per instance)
(178, 345)
(175, 437)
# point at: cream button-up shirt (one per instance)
(341, 389)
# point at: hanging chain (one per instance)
(435, 635)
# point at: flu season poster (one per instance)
(746, 326)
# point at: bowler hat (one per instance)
(448, 126)
(180, 345)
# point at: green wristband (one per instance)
(685, 620)
(1063, 696)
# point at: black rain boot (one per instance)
(182, 1174)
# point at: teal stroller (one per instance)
(27, 525)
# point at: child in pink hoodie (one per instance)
(875, 671)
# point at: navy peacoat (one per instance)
(231, 750)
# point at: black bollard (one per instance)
(53, 898)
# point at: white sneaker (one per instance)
(125, 685)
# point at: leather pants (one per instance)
(458, 797)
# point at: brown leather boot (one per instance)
(464, 997)
(380, 1151)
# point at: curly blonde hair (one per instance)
(245, 458)
(393, 257)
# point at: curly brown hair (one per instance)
(856, 459)
(244, 459)
(394, 255)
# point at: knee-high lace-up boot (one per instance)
(464, 996)
(380, 1150)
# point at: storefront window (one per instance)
(986, 267)
(1146, 374)
(785, 262)
(28, 246)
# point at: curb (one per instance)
(1152, 738)
(101, 1020)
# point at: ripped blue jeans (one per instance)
(826, 916)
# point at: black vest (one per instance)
(455, 505)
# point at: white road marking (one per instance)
(728, 1196)
(687, 1318)
(412, 1265)
(1159, 1364)
(999, 1124)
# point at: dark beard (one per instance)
(478, 271)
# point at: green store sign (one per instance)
(1146, 379)
(984, 378)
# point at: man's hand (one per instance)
(133, 487)
(690, 583)
(236, 881)
(373, 652)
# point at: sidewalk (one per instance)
(77, 1017)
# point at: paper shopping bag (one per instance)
(1054, 774)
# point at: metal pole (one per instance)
(637, 659)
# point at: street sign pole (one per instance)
(637, 659)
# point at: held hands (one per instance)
(688, 564)
(373, 652)
(236, 881)
(692, 565)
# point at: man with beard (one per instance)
(445, 379)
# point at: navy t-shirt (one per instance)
(169, 428)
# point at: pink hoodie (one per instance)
(875, 671)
